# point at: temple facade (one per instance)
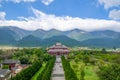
(58, 49)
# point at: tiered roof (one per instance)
(58, 48)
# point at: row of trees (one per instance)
(69, 73)
(28, 56)
(46, 73)
(27, 73)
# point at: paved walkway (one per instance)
(58, 73)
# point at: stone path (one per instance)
(58, 73)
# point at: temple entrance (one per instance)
(58, 53)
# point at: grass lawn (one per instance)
(37, 73)
(90, 73)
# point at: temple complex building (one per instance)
(58, 49)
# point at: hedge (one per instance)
(69, 73)
(46, 73)
(27, 73)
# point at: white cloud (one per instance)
(15, 1)
(2, 15)
(47, 2)
(110, 3)
(38, 13)
(46, 22)
(18, 1)
(114, 14)
(114, 4)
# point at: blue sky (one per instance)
(74, 8)
(47, 14)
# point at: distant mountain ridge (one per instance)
(11, 35)
(34, 41)
(17, 32)
(46, 34)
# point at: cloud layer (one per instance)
(48, 21)
(46, 2)
(18, 1)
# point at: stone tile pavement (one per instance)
(58, 72)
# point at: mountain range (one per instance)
(14, 36)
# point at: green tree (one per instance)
(111, 72)
(69, 73)
(27, 73)
(24, 60)
(86, 59)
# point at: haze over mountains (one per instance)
(14, 36)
